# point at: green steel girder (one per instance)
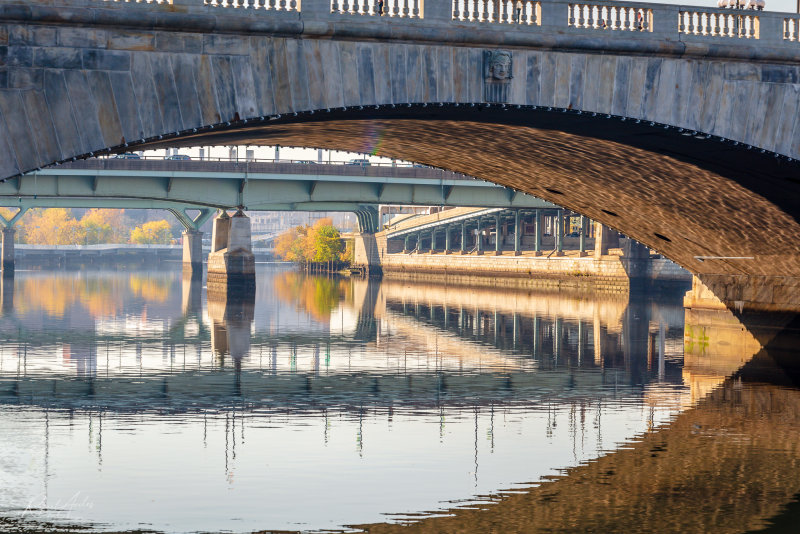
(228, 190)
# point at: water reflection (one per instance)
(385, 404)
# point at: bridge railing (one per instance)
(503, 11)
(264, 5)
(716, 24)
(380, 8)
(791, 29)
(659, 21)
(610, 17)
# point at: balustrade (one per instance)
(605, 17)
(700, 22)
(791, 29)
(718, 24)
(262, 5)
(383, 8)
(140, 1)
(527, 12)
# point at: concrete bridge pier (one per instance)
(582, 239)
(8, 251)
(447, 240)
(558, 228)
(463, 238)
(478, 239)
(604, 238)
(498, 238)
(193, 252)
(517, 233)
(537, 243)
(231, 264)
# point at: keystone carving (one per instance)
(497, 71)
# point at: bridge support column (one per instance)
(8, 251)
(463, 238)
(604, 238)
(433, 241)
(559, 231)
(220, 231)
(537, 243)
(517, 233)
(231, 270)
(405, 243)
(193, 252)
(582, 242)
(478, 239)
(447, 240)
(498, 239)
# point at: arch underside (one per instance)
(712, 207)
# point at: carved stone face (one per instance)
(500, 65)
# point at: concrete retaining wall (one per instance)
(610, 272)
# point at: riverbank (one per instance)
(614, 272)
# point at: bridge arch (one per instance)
(687, 146)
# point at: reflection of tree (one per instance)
(56, 295)
(101, 297)
(150, 289)
(316, 295)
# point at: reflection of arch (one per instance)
(705, 471)
(632, 141)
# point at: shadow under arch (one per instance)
(713, 207)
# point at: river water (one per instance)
(129, 401)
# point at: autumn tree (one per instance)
(152, 233)
(105, 226)
(53, 226)
(320, 243)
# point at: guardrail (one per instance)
(346, 163)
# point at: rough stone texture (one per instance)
(112, 73)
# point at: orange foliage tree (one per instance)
(311, 244)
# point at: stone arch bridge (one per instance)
(676, 125)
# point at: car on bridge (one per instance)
(178, 157)
(362, 162)
(127, 155)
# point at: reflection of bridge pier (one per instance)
(191, 292)
(7, 294)
(231, 322)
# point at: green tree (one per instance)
(327, 244)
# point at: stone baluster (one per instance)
(581, 18)
(485, 14)
(416, 13)
(504, 14)
(456, 10)
(476, 13)
(405, 12)
(334, 6)
(345, 6)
